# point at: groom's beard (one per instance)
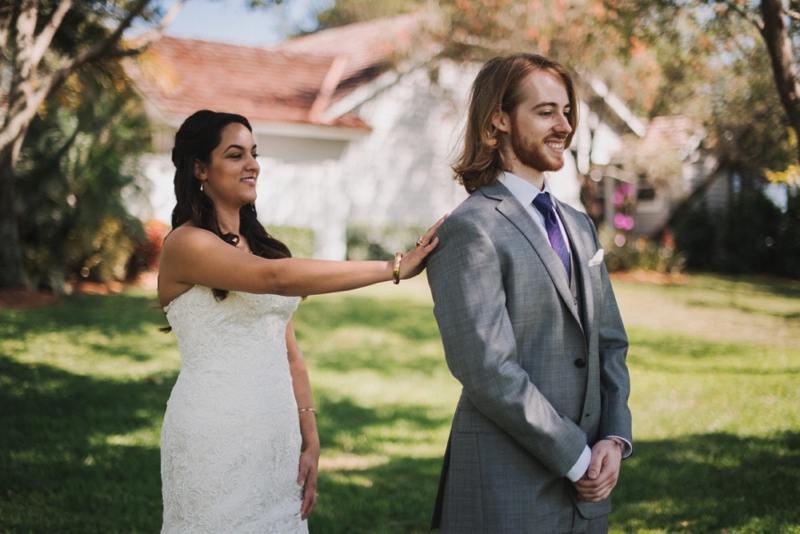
(532, 153)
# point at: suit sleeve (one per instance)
(615, 384)
(465, 276)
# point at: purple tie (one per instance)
(543, 204)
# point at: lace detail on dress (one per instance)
(230, 444)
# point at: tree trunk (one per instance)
(11, 269)
(779, 45)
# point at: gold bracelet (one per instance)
(396, 271)
(312, 410)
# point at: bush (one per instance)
(76, 168)
(380, 243)
(624, 252)
(299, 240)
(696, 236)
(788, 241)
(751, 236)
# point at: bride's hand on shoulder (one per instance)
(413, 261)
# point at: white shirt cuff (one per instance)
(581, 465)
(628, 447)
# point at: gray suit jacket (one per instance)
(542, 375)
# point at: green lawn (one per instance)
(715, 366)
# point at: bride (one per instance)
(239, 444)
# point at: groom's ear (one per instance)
(501, 120)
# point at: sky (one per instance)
(232, 21)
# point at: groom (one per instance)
(529, 322)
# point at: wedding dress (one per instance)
(230, 444)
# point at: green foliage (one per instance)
(696, 236)
(639, 253)
(713, 364)
(374, 243)
(299, 240)
(716, 69)
(76, 171)
(788, 241)
(747, 125)
(751, 236)
(346, 12)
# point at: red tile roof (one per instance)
(673, 132)
(367, 46)
(181, 76)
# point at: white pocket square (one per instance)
(597, 259)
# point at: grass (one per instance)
(716, 402)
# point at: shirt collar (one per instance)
(523, 190)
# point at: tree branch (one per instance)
(746, 15)
(146, 39)
(101, 49)
(791, 14)
(25, 28)
(5, 23)
(19, 116)
(17, 119)
(42, 42)
(784, 68)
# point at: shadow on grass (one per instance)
(711, 483)
(395, 497)
(406, 318)
(649, 348)
(411, 322)
(110, 315)
(343, 423)
(384, 358)
(789, 316)
(58, 473)
(698, 484)
(741, 284)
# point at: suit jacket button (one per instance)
(580, 363)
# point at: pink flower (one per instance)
(623, 222)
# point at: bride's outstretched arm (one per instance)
(192, 256)
(309, 457)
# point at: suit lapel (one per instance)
(580, 260)
(512, 210)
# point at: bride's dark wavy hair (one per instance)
(197, 137)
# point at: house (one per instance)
(346, 139)
(658, 170)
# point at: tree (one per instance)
(777, 23)
(43, 43)
(345, 12)
(75, 176)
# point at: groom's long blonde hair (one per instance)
(498, 87)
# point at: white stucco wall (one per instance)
(400, 173)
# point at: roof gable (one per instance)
(181, 76)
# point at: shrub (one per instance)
(299, 240)
(380, 243)
(696, 237)
(76, 168)
(751, 235)
(623, 252)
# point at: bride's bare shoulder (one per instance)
(188, 235)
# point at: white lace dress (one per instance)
(230, 444)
